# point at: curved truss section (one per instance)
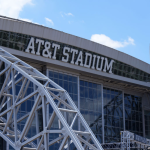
(51, 111)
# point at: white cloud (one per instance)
(66, 14)
(69, 14)
(49, 21)
(12, 8)
(105, 40)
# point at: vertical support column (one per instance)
(143, 120)
(14, 102)
(8, 106)
(103, 140)
(47, 106)
(78, 80)
(128, 141)
(121, 141)
(36, 117)
(44, 122)
(124, 127)
(143, 117)
(67, 118)
(47, 117)
(47, 112)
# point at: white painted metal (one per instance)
(46, 94)
(128, 141)
(124, 127)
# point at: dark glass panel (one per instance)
(1, 34)
(91, 101)
(23, 106)
(66, 86)
(65, 77)
(74, 79)
(61, 83)
(6, 35)
(60, 76)
(81, 91)
(90, 85)
(81, 83)
(75, 88)
(70, 78)
(90, 93)
(70, 87)
(113, 105)
(132, 113)
(4, 43)
(55, 75)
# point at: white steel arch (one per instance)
(46, 95)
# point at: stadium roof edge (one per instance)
(29, 28)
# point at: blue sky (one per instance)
(121, 24)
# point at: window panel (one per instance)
(147, 124)
(90, 103)
(113, 104)
(133, 114)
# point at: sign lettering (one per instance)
(90, 61)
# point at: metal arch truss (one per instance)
(44, 96)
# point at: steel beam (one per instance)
(44, 97)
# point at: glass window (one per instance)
(147, 124)
(113, 114)
(91, 106)
(133, 114)
(70, 84)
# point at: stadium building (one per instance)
(110, 88)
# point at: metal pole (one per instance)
(14, 102)
(103, 139)
(124, 128)
(78, 80)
